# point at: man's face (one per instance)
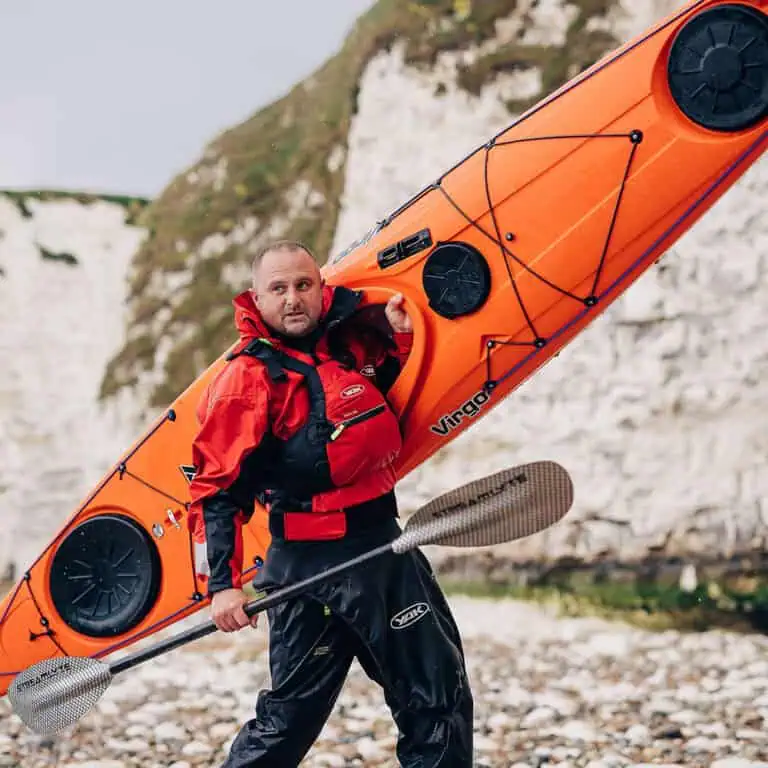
(287, 289)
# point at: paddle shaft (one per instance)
(254, 606)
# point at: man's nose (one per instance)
(291, 296)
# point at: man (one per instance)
(298, 418)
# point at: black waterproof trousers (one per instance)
(388, 613)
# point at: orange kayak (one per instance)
(503, 260)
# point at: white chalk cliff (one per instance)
(659, 409)
(60, 321)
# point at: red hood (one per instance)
(249, 322)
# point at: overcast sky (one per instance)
(114, 96)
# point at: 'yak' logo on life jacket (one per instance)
(368, 370)
(409, 615)
(352, 391)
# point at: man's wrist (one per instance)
(219, 587)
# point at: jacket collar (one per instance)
(339, 304)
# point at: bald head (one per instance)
(287, 288)
(279, 246)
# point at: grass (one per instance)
(291, 141)
(133, 205)
(738, 602)
(21, 199)
(558, 64)
(647, 606)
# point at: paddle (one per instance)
(55, 693)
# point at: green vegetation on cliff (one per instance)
(281, 173)
(732, 594)
(21, 198)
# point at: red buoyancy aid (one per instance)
(341, 455)
(310, 434)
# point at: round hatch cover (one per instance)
(718, 68)
(105, 576)
(456, 279)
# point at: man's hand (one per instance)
(397, 316)
(227, 610)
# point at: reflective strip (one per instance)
(200, 554)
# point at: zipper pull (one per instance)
(339, 429)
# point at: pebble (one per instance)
(97, 764)
(329, 760)
(576, 693)
(169, 732)
(638, 734)
(194, 748)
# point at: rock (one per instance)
(748, 734)
(668, 731)
(90, 764)
(329, 760)
(131, 746)
(223, 731)
(196, 749)
(686, 717)
(136, 731)
(369, 749)
(141, 717)
(108, 708)
(538, 717)
(562, 705)
(610, 644)
(638, 734)
(608, 711)
(170, 732)
(737, 762)
(703, 744)
(500, 721)
(578, 730)
(662, 706)
(562, 754)
(485, 743)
